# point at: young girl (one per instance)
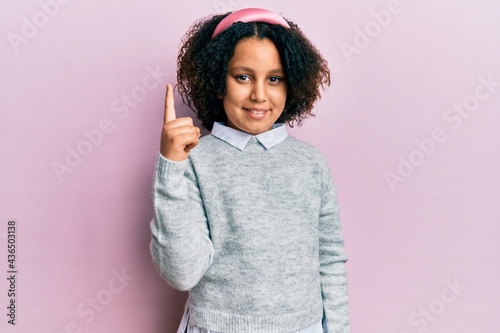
(246, 218)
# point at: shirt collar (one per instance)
(239, 139)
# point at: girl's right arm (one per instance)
(180, 246)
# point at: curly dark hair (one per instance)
(202, 67)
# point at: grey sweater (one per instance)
(254, 235)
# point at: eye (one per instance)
(242, 78)
(275, 79)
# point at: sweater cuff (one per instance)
(166, 168)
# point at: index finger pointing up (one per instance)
(169, 105)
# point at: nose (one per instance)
(258, 93)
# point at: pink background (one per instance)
(423, 250)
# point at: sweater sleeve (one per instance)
(332, 257)
(181, 247)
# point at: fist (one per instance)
(179, 135)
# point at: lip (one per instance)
(256, 109)
(257, 113)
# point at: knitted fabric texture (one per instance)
(254, 235)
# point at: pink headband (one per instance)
(249, 15)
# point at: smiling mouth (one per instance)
(256, 111)
(256, 114)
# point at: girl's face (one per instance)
(255, 86)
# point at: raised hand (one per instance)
(179, 135)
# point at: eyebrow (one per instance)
(247, 69)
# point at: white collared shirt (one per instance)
(239, 139)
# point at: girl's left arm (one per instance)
(333, 275)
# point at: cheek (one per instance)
(279, 96)
(235, 93)
(228, 96)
